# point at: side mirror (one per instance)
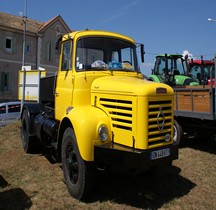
(142, 52)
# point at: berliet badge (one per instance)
(160, 119)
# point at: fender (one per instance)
(86, 121)
(33, 110)
(154, 78)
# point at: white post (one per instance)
(23, 58)
(39, 76)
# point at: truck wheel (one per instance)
(78, 174)
(178, 132)
(30, 143)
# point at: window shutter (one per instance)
(3, 42)
(49, 51)
(10, 81)
(14, 47)
(2, 76)
(5, 81)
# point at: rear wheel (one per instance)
(78, 174)
(29, 142)
(178, 132)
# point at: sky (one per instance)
(163, 26)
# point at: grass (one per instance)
(32, 182)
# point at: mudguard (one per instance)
(33, 110)
(154, 78)
(86, 121)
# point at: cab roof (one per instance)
(199, 62)
(170, 55)
(88, 32)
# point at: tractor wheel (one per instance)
(78, 174)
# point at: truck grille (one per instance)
(152, 131)
(160, 122)
(120, 112)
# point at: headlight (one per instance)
(102, 133)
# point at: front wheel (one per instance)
(178, 132)
(78, 174)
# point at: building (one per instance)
(39, 49)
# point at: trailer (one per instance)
(195, 108)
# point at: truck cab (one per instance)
(93, 57)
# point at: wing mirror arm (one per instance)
(142, 52)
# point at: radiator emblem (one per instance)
(160, 119)
(161, 90)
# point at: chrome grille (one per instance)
(159, 122)
(120, 112)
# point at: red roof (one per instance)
(16, 22)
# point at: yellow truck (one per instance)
(99, 111)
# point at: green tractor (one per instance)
(172, 70)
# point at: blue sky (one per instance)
(167, 26)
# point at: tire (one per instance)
(29, 142)
(178, 132)
(78, 174)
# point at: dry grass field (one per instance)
(33, 182)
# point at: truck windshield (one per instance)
(103, 53)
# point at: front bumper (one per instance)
(115, 154)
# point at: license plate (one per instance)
(160, 153)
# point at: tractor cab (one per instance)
(171, 69)
(203, 71)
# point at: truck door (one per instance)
(64, 83)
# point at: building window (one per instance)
(28, 48)
(58, 29)
(5, 82)
(8, 44)
(49, 51)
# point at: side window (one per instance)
(179, 66)
(2, 109)
(196, 72)
(161, 67)
(66, 56)
(14, 108)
